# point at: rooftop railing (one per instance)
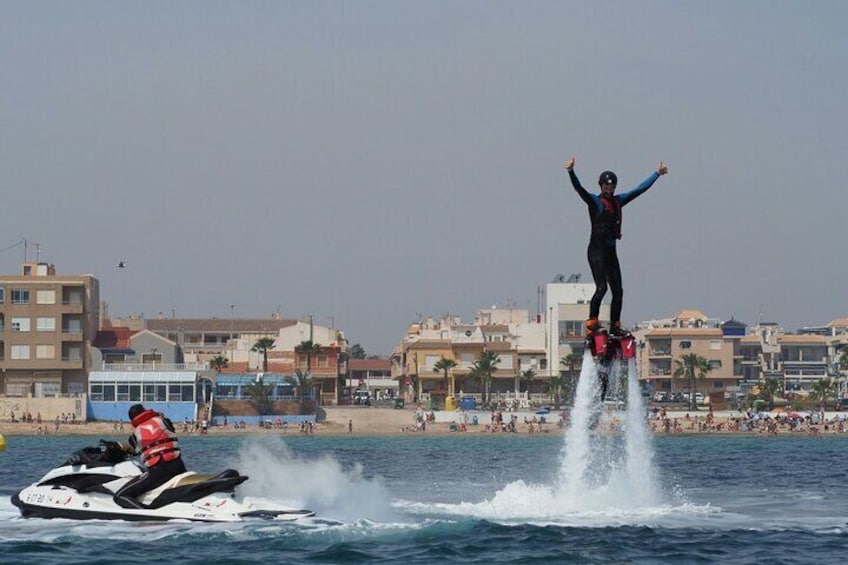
(131, 367)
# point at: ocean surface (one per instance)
(471, 499)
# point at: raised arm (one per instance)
(575, 182)
(626, 197)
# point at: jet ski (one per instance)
(83, 487)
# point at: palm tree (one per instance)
(692, 366)
(260, 395)
(445, 365)
(484, 369)
(309, 349)
(768, 389)
(218, 363)
(262, 345)
(843, 359)
(304, 383)
(822, 389)
(555, 386)
(527, 377)
(571, 361)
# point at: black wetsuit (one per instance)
(605, 215)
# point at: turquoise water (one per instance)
(468, 499)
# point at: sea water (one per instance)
(479, 498)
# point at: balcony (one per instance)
(70, 334)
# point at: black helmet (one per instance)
(135, 410)
(608, 177)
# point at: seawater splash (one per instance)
(601, 468)
(606, 474)
(322, 484)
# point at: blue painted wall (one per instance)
(117, 411)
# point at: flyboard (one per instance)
(607, 348)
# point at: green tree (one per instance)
(484, 370)
(218, 363)
(843, 359)
(356, 352)
(444, 365)
(305, 383)
(556, 385)
(527, 377)
(823, 389)
(571, 361)
(768, 390)
(262, 345)
(691, 366)
(310, 350)
(259, 394)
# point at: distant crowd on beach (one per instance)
(44, 425)
(749, 421)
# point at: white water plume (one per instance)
(322, 484)
(601, 469)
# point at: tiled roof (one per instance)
(696, 332)
(801, 339)
(839, 323)
(117, 338)
(369, 364)
(689, 314)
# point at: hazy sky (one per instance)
(372, 161)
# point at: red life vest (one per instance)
(155, 440)
(606, 224)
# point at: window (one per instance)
(20, 296)
(45, 324)
(151, 358)
(429, 361)
(685, 344)
(72, 354)
(715, 364)
(506, 362)
(322, 362)
(20, 352)
(45, 352)
(2, 295)
(95, 392)
(135, 392)
(187, 393)
(155, 393)
(123, 392)
(45, 297)
(715, 345)
(20, 324)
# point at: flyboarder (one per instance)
(605, 215)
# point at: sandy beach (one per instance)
(370, 421)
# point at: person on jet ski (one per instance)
(155, 440)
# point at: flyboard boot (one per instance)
(597, 342)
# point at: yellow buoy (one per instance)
(2, 442)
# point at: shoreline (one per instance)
(386, 422)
